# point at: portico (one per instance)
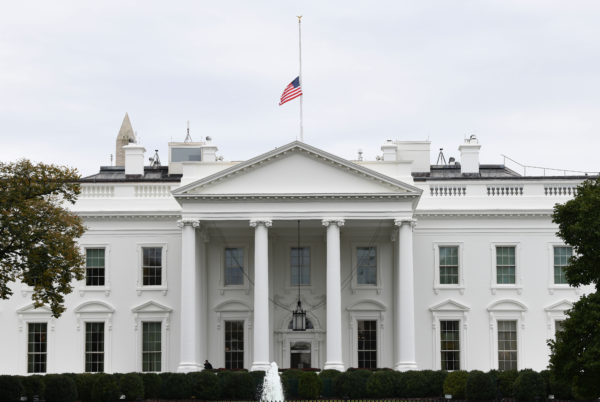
(344, 208)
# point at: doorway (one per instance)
(300, 355)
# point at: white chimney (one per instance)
(389, 150)
(134, 159)
(209, 153)
(469, 155)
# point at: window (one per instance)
(450, 345)
(449, 265)
(366, 265)
(152, 266)
(558, 326)
(234, 266)
(300, 266)
(151, 346)
(37, 347)
(234, 344)
(367, 344)
(94, 266)
(94, 347)
(505, 265)
(561, 260)
(507, 345)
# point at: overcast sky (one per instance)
(524, 76)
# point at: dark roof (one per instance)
(499, 172)
(111, 174)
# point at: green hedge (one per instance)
(208, 385)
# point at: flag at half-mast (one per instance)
(292, 91)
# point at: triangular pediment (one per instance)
(449, 305)
(297, 169)
(31, 309)
(151, 307)
(562, 305)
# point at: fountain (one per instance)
(272, 390)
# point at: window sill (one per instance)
(94, 289)
(236, 288)
(562, 287)
(366, 288)
(437, 288)
(142, 289)
(517, 288)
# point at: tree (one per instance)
(38, 236)
(575, 353)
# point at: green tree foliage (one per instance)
(37, 234)
(579, 226)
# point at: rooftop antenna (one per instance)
(360, 154)
(155, 160)
(441, 158)
(188, 137)
(111, 159)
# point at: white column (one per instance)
(260, 360)
(404, 311)
(334, 358)
(188, 358)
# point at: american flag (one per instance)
(292, 91)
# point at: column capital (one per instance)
(335, 221)
(188, 221)
(266, 222)
(409, 221)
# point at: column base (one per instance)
(405, 366)
(188, 367)
(339, 366)
(260, 366)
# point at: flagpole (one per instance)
(300, 74)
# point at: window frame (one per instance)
(494, 285)
(85, 352)
(365, 310)
(29, 314)
(35, 322)
(95, 311)
(310, 263)
(357, 287)
(152, 311)
(140, 287)
(106, 288)
(437, 285)
(553, 287)
(232, 310)
(506, 310)
(244, 352)
(244, 268)
(450, 310)
(284, 254)
(556, 312)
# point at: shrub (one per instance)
(352, 384)
(411, 384)
(152, 385)
(84, 383)
(381, 384)
(560, 388)
(309, 385)
(480, 386)
(33, 385)
(105, 389)
(433, 383)
(327, 379)
(506, 381)
(60, 388)
(236, 385)
(455, 384)
(132, 386)
(289, 380)
(175, 386)
(10, 388)
(529, 385)
(205, 385)
(258, 377)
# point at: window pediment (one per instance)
(449, 305)
(95, 306)
(232, 306)
(560, 306)
(151, 307)
(367, 305)
(507, 305)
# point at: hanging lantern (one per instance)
(299, 318)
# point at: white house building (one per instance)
(396, 262)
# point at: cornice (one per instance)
(130, 215)
(487, 213)
(298, 196)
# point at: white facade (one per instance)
(398, 208)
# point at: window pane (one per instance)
(561, 260)
(505, 265)
(36, 347)
(94, 267)
(449, 265)
(367, 344)
(366, 265)
(94, 347)
(151, 346)
(234, 266)
(300, 266)
(507, 345)
(234, 344)
(450, 345)
(152, 265)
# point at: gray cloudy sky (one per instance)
(521, 75)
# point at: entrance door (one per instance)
(300, 355)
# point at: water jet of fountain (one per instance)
(272, 389)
